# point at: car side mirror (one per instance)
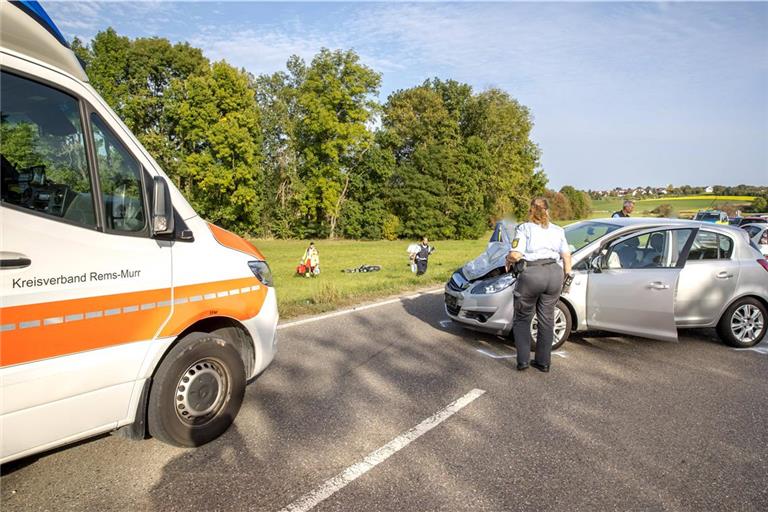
(162, 208)
(596, 263)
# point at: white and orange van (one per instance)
(121, 309)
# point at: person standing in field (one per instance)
(422, 257)
(626, 209)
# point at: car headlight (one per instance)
(262, 272)
(494, 285)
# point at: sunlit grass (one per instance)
(298, 295)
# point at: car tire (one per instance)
(197, 390)
(560, 309)
(744, 323)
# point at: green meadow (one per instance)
(684, 206)
(298, 295)
(333, 288)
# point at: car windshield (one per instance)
(707, 216)
(582, 234)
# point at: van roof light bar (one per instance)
(36, 12)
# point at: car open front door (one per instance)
(632, 286)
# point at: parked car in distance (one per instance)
(752, 220)
(714, 216)
(643, 277)
(758, 233)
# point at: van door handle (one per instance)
(723, 275)
(658, 285)
(11, 260)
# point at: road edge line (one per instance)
(355, 309)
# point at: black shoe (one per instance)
(541, 367)
(522, 366)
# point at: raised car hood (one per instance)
(492, 258)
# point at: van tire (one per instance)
(197, 391)
(745, 306)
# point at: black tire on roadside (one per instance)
(197, 390)
(735, 315)
(568, 326)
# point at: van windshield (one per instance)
(582, 234)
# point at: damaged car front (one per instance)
(480, 295)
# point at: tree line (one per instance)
(309, 152)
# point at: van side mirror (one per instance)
(162, 209)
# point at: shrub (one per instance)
(391, 227)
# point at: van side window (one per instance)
(120, 180)
(710, 246)
(44, 164)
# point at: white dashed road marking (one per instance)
(327, 489)
(760, 348)
(494, 356)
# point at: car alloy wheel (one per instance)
(561, 325)
(747, 323)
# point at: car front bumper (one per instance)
(491, 313)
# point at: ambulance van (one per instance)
(121, 309)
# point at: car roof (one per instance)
(650, 222)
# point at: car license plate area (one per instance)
(452, 304)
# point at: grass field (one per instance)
(333, 289)
(681, 206)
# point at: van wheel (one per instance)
(562, 326)
(197, 391)
(743, 324)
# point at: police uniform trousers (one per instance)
(537, 291)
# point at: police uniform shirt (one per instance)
(537, 243)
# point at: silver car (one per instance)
(759, 234)
(643, 277)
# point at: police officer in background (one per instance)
(544, 248)
(626, 210)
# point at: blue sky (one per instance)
(622, 94)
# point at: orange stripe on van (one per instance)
(233, 241)
(40, 331)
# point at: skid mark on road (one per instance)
(352, 473)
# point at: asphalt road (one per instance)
(618, 424)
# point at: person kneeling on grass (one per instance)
(310, 263)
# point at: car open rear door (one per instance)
(632, 287)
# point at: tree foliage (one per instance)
(310, 152)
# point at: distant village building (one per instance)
(709, 190)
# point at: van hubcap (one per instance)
(747, 323)
(559, 326)
(201, 391)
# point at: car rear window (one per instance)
(710, 246)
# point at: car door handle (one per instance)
(11, 260)
(723, 275)
(658, 285)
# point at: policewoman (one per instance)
(547, 263)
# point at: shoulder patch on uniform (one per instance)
(515, 242)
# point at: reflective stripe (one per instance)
(29, 330)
